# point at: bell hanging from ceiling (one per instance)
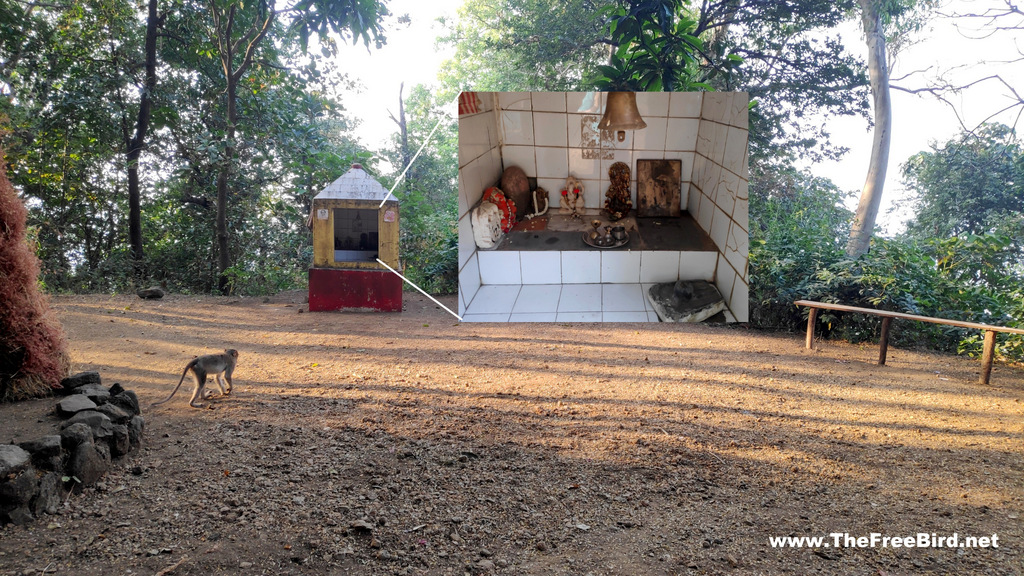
(621, 114)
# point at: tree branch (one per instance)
(939, 92)
(197, 200)
(250, 49)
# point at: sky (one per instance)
(918, 121)
(409, 56)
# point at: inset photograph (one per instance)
(603, 207)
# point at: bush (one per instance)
(797, 253)
(33, 357)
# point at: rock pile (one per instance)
(99, 424)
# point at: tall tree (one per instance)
(878, 72)
(135, 142)
(794, 66)
(403, 132)
(239, 30)
(881, 21)
(236, 47)
(65, 76)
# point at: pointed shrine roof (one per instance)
(355, 184)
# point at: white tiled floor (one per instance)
(561, 303)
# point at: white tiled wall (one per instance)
(479, 167)
(552, 135)
(718, 197)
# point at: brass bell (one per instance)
(621, 114)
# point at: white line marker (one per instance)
(402, 177)
(420, 289)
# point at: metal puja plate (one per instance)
(619, 244)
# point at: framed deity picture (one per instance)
(658, 187)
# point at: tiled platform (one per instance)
(561, 303)
(594, 267)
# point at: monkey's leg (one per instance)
(220, 382)
(200, 378)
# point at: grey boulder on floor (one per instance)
(685, 301)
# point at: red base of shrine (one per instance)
(368, 290)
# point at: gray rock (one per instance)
(75, 434)
(102, 427)
(135, 429)
(49, 497)
(46, 451)
(74, 404)
(13, 459)
(19, 488)
(43, 446)
(120, 442)
(127, 400)
(151, 293)
(20, 516)
(87, 464)
(116, 389)
(104, 449)
(94, 392)
(116, 414)
(685, 301)
(80, 379)
(483, 566)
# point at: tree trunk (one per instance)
(223, 257)
(406, 153)
(878, 72)
(404, 130)
(228, 49)
(136, 144)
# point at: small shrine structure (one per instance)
(351, 231)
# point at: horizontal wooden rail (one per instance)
(890, 314)
(887, 317)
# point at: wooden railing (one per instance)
(887, 317)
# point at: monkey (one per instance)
(219, 365)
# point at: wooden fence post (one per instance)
(883, 341)
(812, 315)
(986, 356)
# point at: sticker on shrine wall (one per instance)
(390, 215)
(321, 214)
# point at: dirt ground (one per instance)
(412, 444)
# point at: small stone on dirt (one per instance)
(74, 404)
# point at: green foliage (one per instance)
(275, 255)
(429, 248)
(785, 54)
(970, 185)
(796, 252)
(429, 192)
(524, 45)
(357, 19)
(73, 78)
(902, 275)
(656, 47)
(795, 66)
(798, 226)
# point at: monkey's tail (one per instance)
(175, 391)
